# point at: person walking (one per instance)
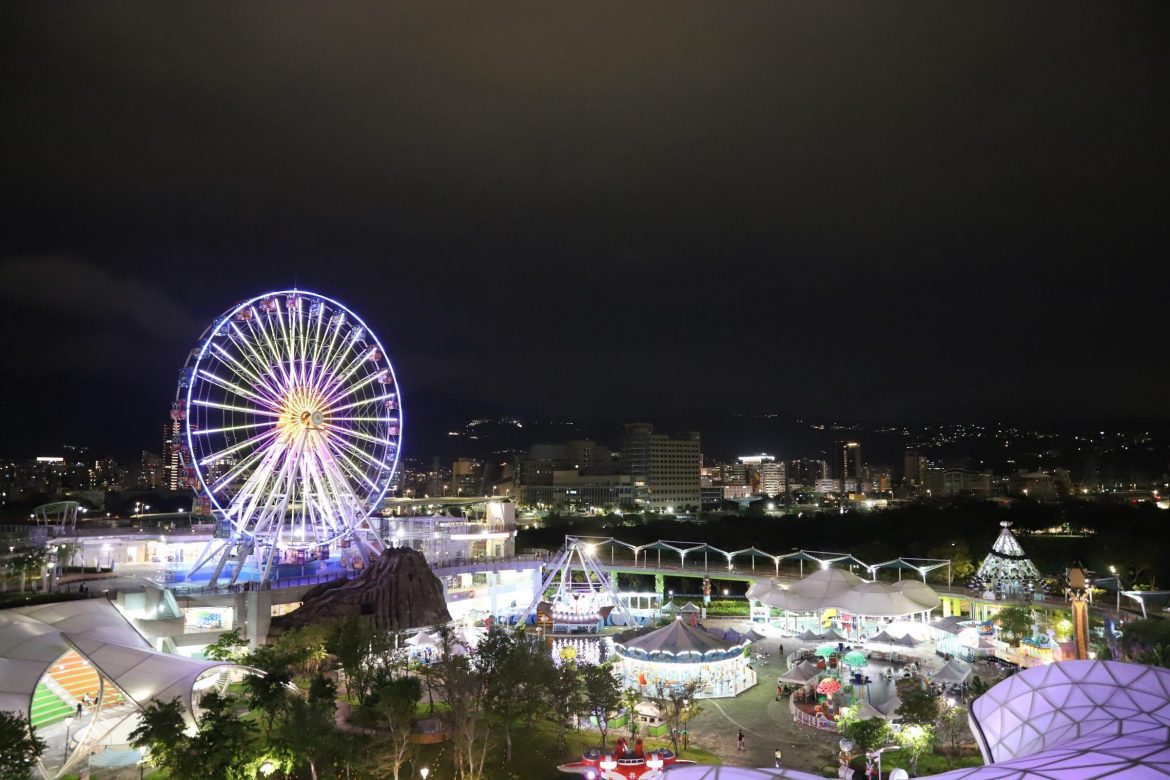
(739, 741)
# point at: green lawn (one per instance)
(47, 707)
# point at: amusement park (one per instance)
(303, 599)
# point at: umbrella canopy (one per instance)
(856, 659)
(731, 635)
(828, 686)
(832, 636)
(716, 631)
(826, 651)
(955, 671)
(808, 636)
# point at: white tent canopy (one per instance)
(33, 638)
(800, 674)
(832, 588)
(954, 671)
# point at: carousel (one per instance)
(678, 653)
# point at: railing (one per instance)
(182, 591)
(456, 563)
(818, 721)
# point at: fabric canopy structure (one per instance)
(832, 636)
(808, 636)
(882, 638)
(33, 638)
(752, 635)
(954, 671)
(801, 673)
(1073, 720)
(832, 588)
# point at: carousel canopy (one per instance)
(955, 671)
(677, 639)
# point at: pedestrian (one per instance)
(79, 709)
(739, 746)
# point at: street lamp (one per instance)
(877, 755)
(425, 770)
(68, 723)
(267, 768)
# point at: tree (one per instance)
(162, 733)
(630, 699)
(514, 670)
(566, 698)
(1147, 642)
(953, 726)
(20, 747)
(867, 735)
(677, 704)
(308, 730)
(601, 693)
(363, 652)
(1016, 621)
(915, 739)
(918, 705)
(228, 646)
(394, 705)
(224, 747)
(269, 686)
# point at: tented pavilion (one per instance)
(859, 607)
(54, 657)
(678, 653)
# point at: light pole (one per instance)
(424, 772)
(68, 723)
(877, 755)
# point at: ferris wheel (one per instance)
(290, 425)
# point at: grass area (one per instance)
(48, 707)
(932, 763)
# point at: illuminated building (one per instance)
(667, 464)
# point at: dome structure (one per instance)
(832, 588)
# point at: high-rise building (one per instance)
(914, 466)
(467, 477)
(765, 475)
(847, 460)
(806, 472)
(668, 465)
(172, 466)
(589, 458)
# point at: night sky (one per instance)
(922, 211)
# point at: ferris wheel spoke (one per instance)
(269, 349)
(333, 362)
(321, 363)
(359, 434)
(245, 374)
(219, 381)
(360, 358)
(231, 408)
(358, 451)
(230, 428)
(263, 368)
(341, 396)
(255, 489)
(251, 441)
(286, 333)
(384, 397)
(354, 469)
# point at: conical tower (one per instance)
(1007, 566)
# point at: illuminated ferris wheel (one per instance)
(290, 424)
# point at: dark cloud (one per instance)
(856, 209)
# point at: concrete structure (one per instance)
(766, 476)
